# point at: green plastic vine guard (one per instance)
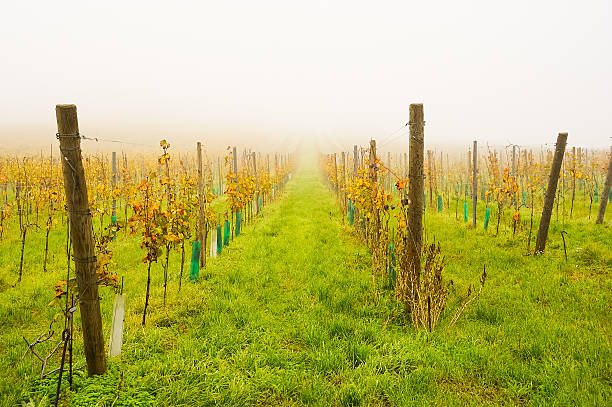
(195, 261)
(226, 233)
(260, 203)
(238, 222)
(482, 192)
(439, 203)
(350, 212)
(465, 212)
(219, 240)
(524, 197)
(114, 222)
(487, 217)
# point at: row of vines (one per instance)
(511, 185)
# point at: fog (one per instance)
(274, 74)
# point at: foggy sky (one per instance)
(267, 74)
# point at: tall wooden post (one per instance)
(549, 198)
(256, 183)
(441, 175)
(415, 194)
(81, 237)
(374, 184)
(114, 183)
(336, 175)
(344, 182)
(355, 160)
(220, 176)
(514, 161)
(605, 193)
(201, 207)
(474, 183)
(235, 169)
(430, 176)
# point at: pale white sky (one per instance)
(267, 73)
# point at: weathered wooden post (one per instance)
(474, 183)
(256, 183)
(605, 193)
(415, 194)
(355, 160)
(573, 170)
(235, 169)
(344, 182)
(430, 176)
(201, 207)
(335, 163)
(220, 176)
(81, 237)
(114, 184)
(549, 198)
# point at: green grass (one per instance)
(287, 316)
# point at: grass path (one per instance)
(287, 316)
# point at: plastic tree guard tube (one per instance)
(487, 217)
(226, 233)
(195, 261)
(219, 240)
(238, 222)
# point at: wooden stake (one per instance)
(344, 183)
(256, 184)
(81, 237)
(201, 207)
(336, 176)
(114, 183)
(605, 193)
(474, 183)
(549, 199)
(415, 194)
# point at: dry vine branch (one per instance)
(467, 299)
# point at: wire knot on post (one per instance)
(91, 259)
(74, 135)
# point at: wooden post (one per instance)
(441, 175)
(355, 160)
(81, 237)
(201, 207)
(474, 183)
(549, 199)
(344, 182)
(605, 193)
(235, 169)
(374, 184)
(336, 175)
(114, 183)
(415, 194)
(256, 183)
(220, 176)
(430, 176)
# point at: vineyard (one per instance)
(363, 276)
